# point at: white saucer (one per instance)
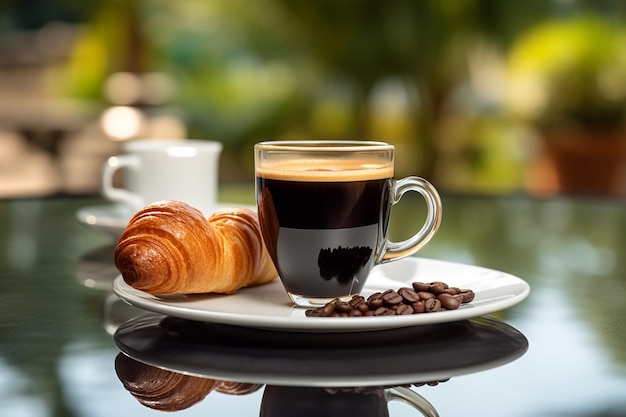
(268, 306)
(112, 219)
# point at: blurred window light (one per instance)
(611, 84)
(390, 105)
(390, 97)
(332, 113)
(55, 39)
(156, 88)
(123, 88)
(487, 73)
(121, 122)
(166, 126)
(527, 95)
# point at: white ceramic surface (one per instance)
(268, 306)
(110, 219)
(185, 170)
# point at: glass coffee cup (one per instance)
(324, 209)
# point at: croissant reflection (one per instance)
(165, 390)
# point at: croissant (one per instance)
(169, 247)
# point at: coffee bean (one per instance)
(468, 295)
(431, 305)
(448, 301)
(409, 295)
(425, 295)
(392, 298)
(421, 286)
(437, 287)
(452, 290)
(356, 300)
(384, 311)
(375, 300)
(380, 311)
(404, 309)
(363, 307)
(343, 307)
(430, 383)
(418, 307)
(328, 309)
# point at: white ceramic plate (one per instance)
(112, 219)
(268, 306)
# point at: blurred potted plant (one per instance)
(568, 77)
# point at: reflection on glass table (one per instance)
(164, 390)
(161, 357)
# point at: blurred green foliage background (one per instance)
(466, 89)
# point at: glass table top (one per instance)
(70, 347)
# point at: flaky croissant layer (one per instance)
(169, 247)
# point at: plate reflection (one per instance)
(171, 364)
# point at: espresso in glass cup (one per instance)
(324, 209)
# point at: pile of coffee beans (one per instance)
(421, 298)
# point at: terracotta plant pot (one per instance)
(588, 162)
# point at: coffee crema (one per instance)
(325, 170)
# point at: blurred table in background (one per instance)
(50, 146)
(58, 314)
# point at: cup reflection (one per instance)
(280, 401)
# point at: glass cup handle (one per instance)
(113, 164)
(398, 250)
(412, 398)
